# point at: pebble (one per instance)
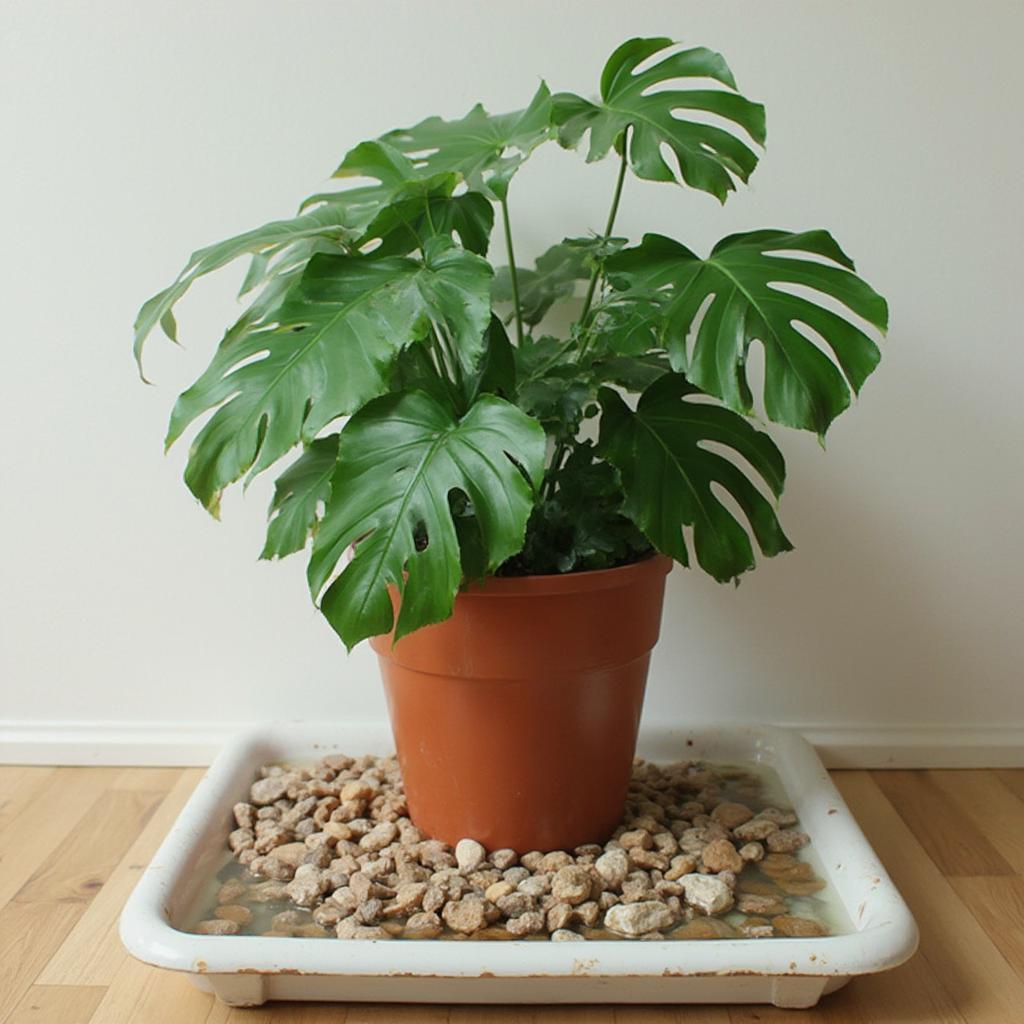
(469, 855)
(566, 935)
(613, 867)
(217, 926)
(706, 893)
(571, 884)
(234, 912)
(638, 918)
(465, 915)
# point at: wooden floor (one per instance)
(73, 841)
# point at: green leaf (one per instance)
(400, 458)
(485, 150)
(298, 494)
(708, 157)
(634, 373)
(323, 222)
(331, 349)
(803, 387)
(405, 224)
(394, 178)
(668, 473)
(497, 371)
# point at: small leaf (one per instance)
(485, 150)
(707, 157)
(803, 387)
(667, 474)
(298, 494)
(400, 459)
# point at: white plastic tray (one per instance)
(248, 970)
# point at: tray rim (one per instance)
(889, 938)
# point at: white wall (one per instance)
(133, 132)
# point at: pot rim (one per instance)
(569, 582)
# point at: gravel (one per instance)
(331, 850)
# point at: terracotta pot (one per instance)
(515, 720)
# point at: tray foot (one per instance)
(240, 989)
(797, 993)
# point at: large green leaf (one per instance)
(740, 279)
(336, 335)
(668, 475)
(400, 459)
(708, 156)
(323, 222)
(298, 494)
(485, 150)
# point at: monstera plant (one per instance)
(440, 430)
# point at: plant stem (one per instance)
(592, 287)
(513, 273)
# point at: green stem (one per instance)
(513, 273)
(592, 287)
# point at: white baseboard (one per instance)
(196, 743)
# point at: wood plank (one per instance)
(92, 954)
(155, 780)
(141, 994)
(1013, 780)
(994, 811)
(29, 933)
(979, 982)
(19, 786)
(57, 1004)
(81, 863)
(998, 906)
(55, 808)
(953, 843)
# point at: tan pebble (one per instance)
(721, 855)
(531, 861)
(526, 924)
(613, 867)
(784, 819)
(801, 888)
(231, 890)
(797, 927)
(423, 925)
(379, 837)
(648, 859)
(571, 884)
(757, 829)
(559, 916)
(310, 931)
(535, 885)
(786, 841)
(566, 935)
(751, 903)
(498, 889)
(466, 915)
(504, 859)
(751, 853)
(234, 912)
(356, 791)
(729, 815)
(639, 837)
(217, 926)
(291, 854)
(516, 903)
(684, 864)
(588, 913)
(705, 928)
(554, 861)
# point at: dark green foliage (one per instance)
(437, 446)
